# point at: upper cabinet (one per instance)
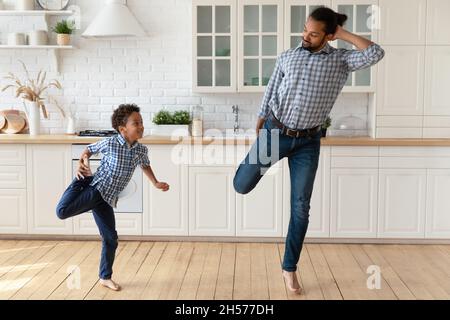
(214, 46)
(403, 22)
(260, 34)
(437, 22)
(236, 43)
(361, 20)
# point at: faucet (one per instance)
(236, 118)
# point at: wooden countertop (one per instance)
(328, 141)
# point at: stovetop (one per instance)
(97, 133)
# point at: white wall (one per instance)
(153, 72)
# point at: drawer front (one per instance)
(12, 177)
(12, 155)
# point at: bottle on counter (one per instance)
(197, 121)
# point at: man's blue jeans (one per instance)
(80, 197)
(303, 156)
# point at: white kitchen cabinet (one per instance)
(438, 204)
(214, 46)
(260, 212)
(401, 203)
(260, 41)
(437, 80)
(296, 13)
(166, 213)
(319, 214)
(13, 215)
(212, 201)
(12, 155)
(354, 192)
(401, 80)
(354, 195)
(437, 21)
(361, 20)
(403, 22)
(49, 173)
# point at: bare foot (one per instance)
(290, 278)
(109, 284)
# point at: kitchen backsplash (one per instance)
(153, 72)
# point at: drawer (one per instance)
(354, 151)
(13, 177)
(354, 162)
(12, 155)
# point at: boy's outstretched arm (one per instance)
(159, 185)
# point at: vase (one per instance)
(34, 118)
(63, 39)
(70, 125)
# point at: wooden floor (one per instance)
(199, 270)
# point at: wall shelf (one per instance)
(35, 13)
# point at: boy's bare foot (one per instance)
(290, 277)
(109, 284)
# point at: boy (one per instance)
(99, 192)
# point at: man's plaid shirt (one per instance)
(304, 85)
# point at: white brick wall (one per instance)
(154, 72)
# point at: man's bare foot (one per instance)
(290, 277)
(109, 284)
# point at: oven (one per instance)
(130, 199)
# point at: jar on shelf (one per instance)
(197, 121)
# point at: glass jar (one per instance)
(197, 121)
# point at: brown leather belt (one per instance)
(303, 133)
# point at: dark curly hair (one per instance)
(121, 114)
(330, 18)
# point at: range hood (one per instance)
(114, 20)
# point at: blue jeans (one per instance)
(80, 197)
(303, 156)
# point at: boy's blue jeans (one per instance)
(303, 157)
(80, 197)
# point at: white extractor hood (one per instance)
(114, 20)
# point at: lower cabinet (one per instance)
(438, 204)
(212, 201)
(260, 212)
(49, 172)
(354, 195)
(13, 213)
(166, 213)
(402, 203)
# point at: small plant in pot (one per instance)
(325, 126)
(171, 124)
(63, 30)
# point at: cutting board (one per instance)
(2, 122)
(14, 123)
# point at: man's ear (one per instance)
(329, 37)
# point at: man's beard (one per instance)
(310, 47)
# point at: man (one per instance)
(299, 96)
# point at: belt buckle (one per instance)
(294, 134)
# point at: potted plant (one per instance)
(325, 126)
(31, 91)
(63, 30)
(171, 124)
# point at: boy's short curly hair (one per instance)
(121, 114)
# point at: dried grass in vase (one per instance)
(31, 89)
